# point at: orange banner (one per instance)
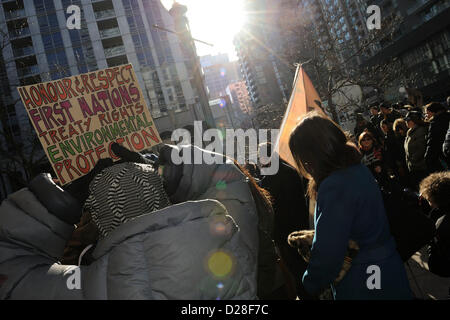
(304, 98)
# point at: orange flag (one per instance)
(304, 98)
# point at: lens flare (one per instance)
(222, 103)
(221, 185)
(220, 264)
(220, 226)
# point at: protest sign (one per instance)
(78, 118)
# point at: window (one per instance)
(82, 68)
(47, 40)
(57, 40)
(53, 21)
(62, 59)
(75, 37)
(39, 6)
(170, 94)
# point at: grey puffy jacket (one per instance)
(200, 249)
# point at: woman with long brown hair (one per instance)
(349, 206)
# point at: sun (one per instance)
(214, 21)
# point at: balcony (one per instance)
(15, 14)
(417, 5)
(117, 61)
(20, 32)
(22, 52)
(105, 14)
(28, 71)
(109, 33)
(114, 51)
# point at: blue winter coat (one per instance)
(350, 206)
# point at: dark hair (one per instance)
(416, 117)
(434, 107)
(360, 118)
(371, 136)
(400, 124)
(374, 107)
(436, 188)
(387, 123)
(385, 105)
(320, 147)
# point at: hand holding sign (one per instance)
(79, 188)
(127, 155)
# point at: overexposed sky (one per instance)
(214, 21)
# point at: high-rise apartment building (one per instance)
(191, 59)
(418, 38)
(422, 45)
(219, 73)
(259, 47)
(37, 46)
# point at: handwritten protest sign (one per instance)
(77, 119)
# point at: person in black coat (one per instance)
(363, 125)
(394, 157)
(446, 146)
(435, 189)
(437, 130)
(389, 114)
(375, 117)
(290, 214)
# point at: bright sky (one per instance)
(214, 21)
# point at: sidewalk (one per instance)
(424, 284)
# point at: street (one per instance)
(424, 284)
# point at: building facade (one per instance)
(38, 46)
(259, 47)
(191, 60)
(422, 45)
(419, 39)
(219, 73)
(239, 96)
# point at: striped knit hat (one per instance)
(123, 192)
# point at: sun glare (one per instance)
(214, 21)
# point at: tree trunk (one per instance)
(332, 109)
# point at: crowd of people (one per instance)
(147, 228)
(407, 148)
(404, 148)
